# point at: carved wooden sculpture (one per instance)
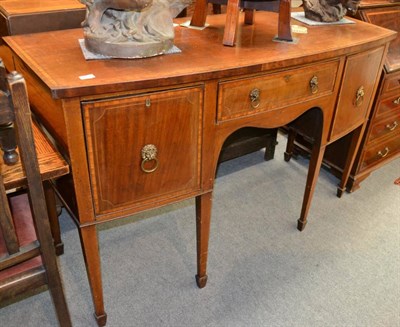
(328, 10)
(130, 28)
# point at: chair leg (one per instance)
(199, 13)
(290, 144)
(53, 216)
(270, 145)
(284, 29)
(232, 17)
(216, 9)
(249, 16)
(57, 294)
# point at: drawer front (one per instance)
(390, 104)
(359, 80)
(123, 135)
(378, 153)
(265, 93)
(385, 126)
(392, 82)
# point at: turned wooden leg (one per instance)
(232, 18)
(317, 155)
(351, 156)
(53, 216)
(203, 215)
(199, 13)
(90, 249)
(290, 144)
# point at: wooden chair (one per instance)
(249, 7)
(27, 254)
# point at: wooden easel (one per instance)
(232, 17)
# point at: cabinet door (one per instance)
(123, 135)
(359, 80)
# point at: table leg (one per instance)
(351, 156)
(90, 249)
(317, 155)
(203, 215)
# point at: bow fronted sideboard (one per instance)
(144, 133)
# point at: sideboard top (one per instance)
(56, 57)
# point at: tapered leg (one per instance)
(53, 217)
(351, 156)
(203, 215)
(317, 155)
(90, 249)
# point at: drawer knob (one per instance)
(397, 101)
(392, 127)
(384, 153)
(149, 153)
(255, 98)
(359, 96)
(314, 84)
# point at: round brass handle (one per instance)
(359, 96)
(397, 101)
(314, 84)
(384, 154)
(392, 127)
(255, 98)
(149, 153)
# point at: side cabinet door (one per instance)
(144, 147)
(359, 81)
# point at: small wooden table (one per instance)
(184, 106)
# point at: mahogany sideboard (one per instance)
(381, 140)
(144, 133)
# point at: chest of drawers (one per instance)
(381, 141)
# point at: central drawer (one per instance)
(247, 96)
(144, 147)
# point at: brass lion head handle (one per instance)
(314, 84)
(359, 96)
(255, 98)
(149, 153)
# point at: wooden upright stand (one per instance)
(232, 17)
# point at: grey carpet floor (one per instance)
(342, 270)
